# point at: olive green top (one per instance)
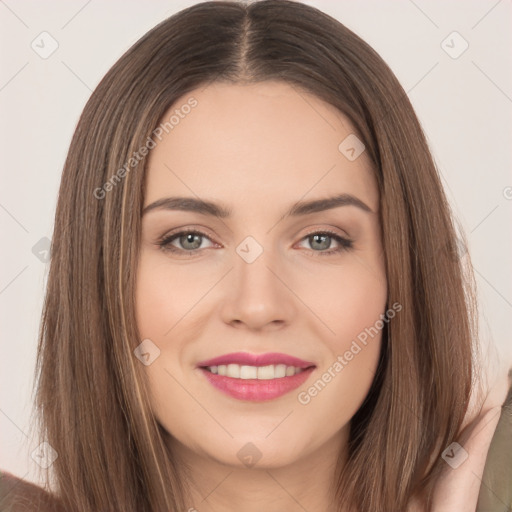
(496, 487)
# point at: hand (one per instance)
(457, 488)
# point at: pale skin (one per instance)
(256, 150)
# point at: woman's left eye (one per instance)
(191, 241)
(321, 239)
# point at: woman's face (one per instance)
(270, 272)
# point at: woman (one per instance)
(200, 352)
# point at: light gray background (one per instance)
(464, 105)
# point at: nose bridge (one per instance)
(257, 294)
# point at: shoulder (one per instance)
(18, 495)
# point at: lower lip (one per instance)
(256, 390)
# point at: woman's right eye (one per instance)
(188, 241)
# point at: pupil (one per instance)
(189, 238)
(326, 238)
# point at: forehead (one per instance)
(268, 140)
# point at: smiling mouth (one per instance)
(256, 383)
(256, 377)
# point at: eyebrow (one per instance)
(204, 207)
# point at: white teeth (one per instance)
(280, 371)
(268, 372)
(248, 372)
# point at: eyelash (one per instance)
(345, 244)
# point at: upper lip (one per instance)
(244, 358)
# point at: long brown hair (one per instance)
(92, 397)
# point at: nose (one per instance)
(257, 295)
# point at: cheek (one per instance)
(355, 315)
(351, 302)
(161, 300)
(165, 294)
(151, 296)
(346, 298)
(339, 389)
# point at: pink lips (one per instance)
(255, 389)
